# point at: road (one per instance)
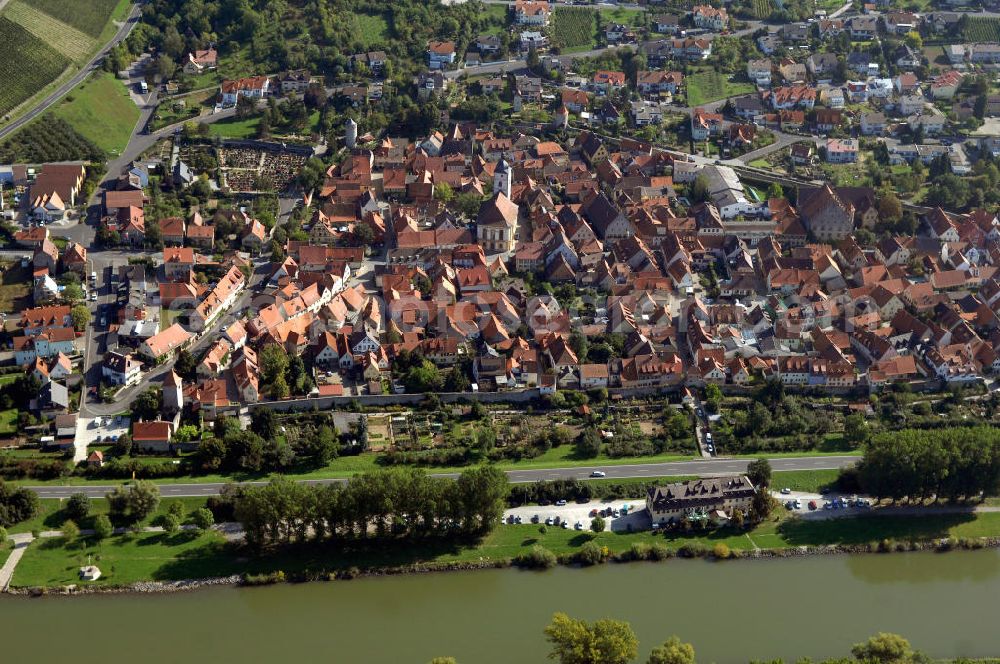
(521, 64)
(638, 470)
(42, 106)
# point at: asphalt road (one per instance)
(123, 32)
(651, 470)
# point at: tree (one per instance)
(597, 524)
(203, 518)
(775, 191)
(78, 507)
(856, 429)
(699, 190)
(279, 388)
(588, 443)
(673, 651)
(81, 316)
(603, 642)
(102, 527)
(273, 362)
(422, 377)
(883, 648)
(17, 504)
(264, 422)
(3, 538)
(759, 473)
(185, 366)
(135, 503)
(914, 40)
(72, 292)
(147, 405)
(70, 531)
(890, 210)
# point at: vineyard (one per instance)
(66, 39)
(762, 8)
(88, 17)
(27, 64)
(980, 29)
(48, 139)
(574, 28)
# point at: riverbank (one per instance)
(161, 562)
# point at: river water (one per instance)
(946, 604)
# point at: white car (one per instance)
(786, 491)
(598, 473)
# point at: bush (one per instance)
(693, 550)
(102, 527)
(597, 524)
(203, 518)
(537, 558)
(591, 553)
(721, 551)
(660, 551)
(78, 507)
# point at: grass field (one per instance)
(88, 17)
(574, 29)
(51, 515)
(711, 85)
(157, 556)
(101, 111)
(371, 29)
(63, 37)
(235, 128)
(27, 64)
(499, 15)
(15, 287)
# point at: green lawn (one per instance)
(51, 515)
(8, 421)
(15, 287)
(235, 128)
(711, 85)
(804, 480)
(100, 110)
(131, 558)
(499, 15)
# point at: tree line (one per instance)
(401, 503)
(610, 641)
(953, 463)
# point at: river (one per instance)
(731, 611)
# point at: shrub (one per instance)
(721, 551)
(537, 558)
(693, 550)
(78, 507)
(591, 553)
(102, 527)
(660, 551)
(203, 518)
(639, 551)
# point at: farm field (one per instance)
(711, 85)
(574, 29)
(101, 111)
(63, 37)
(27, 64)
(981, 30)
(88, 17)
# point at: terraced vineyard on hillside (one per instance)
(66, 39)
(89, 16)
(27, 64)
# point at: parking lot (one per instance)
(635, 514)
(824, 506)
(88, 431)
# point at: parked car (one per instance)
(548, 521)
(786, 491)
(812, 504)
(578, 526)
(534, 518)
(560, 503)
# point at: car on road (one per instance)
(560, 503)
(598, 473)
(786, 491)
